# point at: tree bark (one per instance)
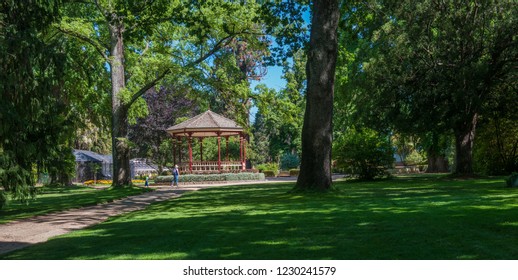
(437, 161)
(464, 135)
(437, 164)
(315, 168)
(120, 147)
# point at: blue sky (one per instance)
(273, 78)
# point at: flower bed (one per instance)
(98, 182)
(109, 182)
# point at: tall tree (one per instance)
(228, 79)
(144, 42)
(36, 125)
(315, 169)
(430, 66)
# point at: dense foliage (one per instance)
(364, 153)
(165, 107)
(496, 147)
(429, 68)
(36, 120)
(278, 123)
(149, 43)
(289, 161)
(512, 181)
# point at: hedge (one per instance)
(294, 172)
(188, 178)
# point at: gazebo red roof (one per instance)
(204, 125)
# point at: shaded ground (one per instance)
(25, 232)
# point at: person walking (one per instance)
(176, 174)
(146, 184)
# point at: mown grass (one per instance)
(405, 218)
(54, 199)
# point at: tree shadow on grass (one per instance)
(6, 246)
(264, 222)
(67, 200)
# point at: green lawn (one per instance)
(52, 199)
(405, 218)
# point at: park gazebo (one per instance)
(208, 124)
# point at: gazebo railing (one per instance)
(210, 166)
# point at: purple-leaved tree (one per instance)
(149, 134)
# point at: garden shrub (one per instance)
(415, 158)
(244, 176)
(364, 153)
(512, 181)
(190, 178)
(271, 166)
(289, 161)
(294, 172)
(494, 150)
(269, 173)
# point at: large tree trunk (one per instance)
(315, 168)
(464, 135)
(120, 147)
(437, 161)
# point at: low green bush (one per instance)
(289, 161)
(512, 181)
(244, 176)
(365, 153)
(272, 166)
(294, 172)
(189, 178)
(269, 173)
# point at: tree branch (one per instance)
(94, 43)
(152, 83)
(216, 48)
(147, 86)
(103, 11)
(144, 51)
